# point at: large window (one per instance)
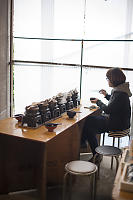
(60, 45)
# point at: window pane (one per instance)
(69, 19)
(111, 54)
(97, 19)
(95, 79)
(49, 18)
(25, 49)
(36, 83)
(47, 50)
(92, 81)
(27, 18)
(108, 19)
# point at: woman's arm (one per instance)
(105, 94)
(115, 104)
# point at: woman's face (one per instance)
(109, 83)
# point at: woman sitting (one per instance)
(115, 116)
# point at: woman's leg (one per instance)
(93, 125)
(92, 140)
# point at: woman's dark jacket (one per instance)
(118, 109)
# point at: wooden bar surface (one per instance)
(10, 126)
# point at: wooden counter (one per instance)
(32, 158)
(117, 193)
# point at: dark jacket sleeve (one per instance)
(115, 103)
(118, 110)
(108, 97)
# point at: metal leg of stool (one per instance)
(93, 191)
(70, 187)
(112, 156)
(103, 139)
(64, 185)
(92, 185)
(98, 171)
(118, 142)
(129, 137)
(117, 162)
(94, 158)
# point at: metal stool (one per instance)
(109, 151)
(118, 135)
(80, 168)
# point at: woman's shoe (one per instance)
(91, 160)
(98, 158)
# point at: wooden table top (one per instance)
(10, 126)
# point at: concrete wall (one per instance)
(4, 58)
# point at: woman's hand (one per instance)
(94, 100)
(102, 91)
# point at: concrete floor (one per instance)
(80, 189)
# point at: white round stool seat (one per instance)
(80, 167)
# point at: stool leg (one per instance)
(112, 156)
(70, 187)
(103, 139)
(98, 171)
(117, 162)
(113, 141)
(94, 185)
(64, 185)
(118, 142)
(129, 137)
(98, 165)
